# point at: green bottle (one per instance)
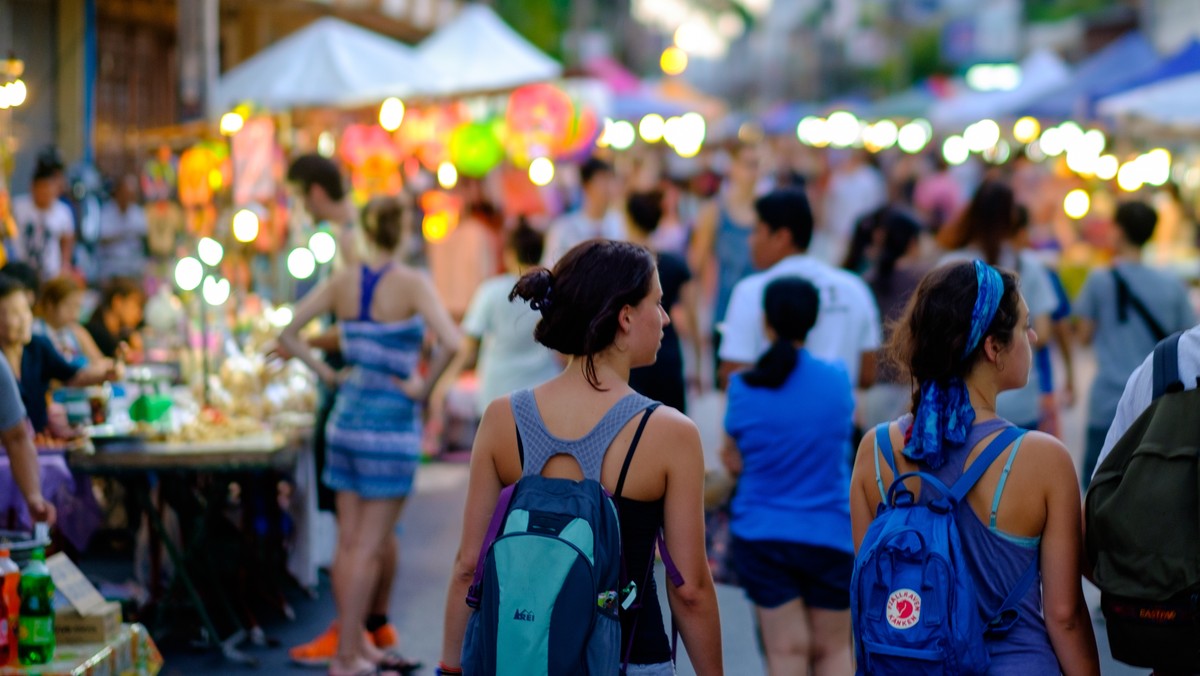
(35, 628)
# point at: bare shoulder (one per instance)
(498, 414)
(1044, 457)
(670, 429)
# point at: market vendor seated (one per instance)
(117, 318)
(33, 359)
(58, 308)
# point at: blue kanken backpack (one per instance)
(550, 583)
(912, 599)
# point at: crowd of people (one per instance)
(864, 323)
(914, 309)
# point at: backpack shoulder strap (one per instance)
(637, 436)
(502, 504)
(883, 447)
(1166, 366)
(1008, 613)
(1125, 296)
(985, 459)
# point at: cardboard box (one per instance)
(100, 627)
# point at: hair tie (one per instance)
(543, 303)
(944, 412)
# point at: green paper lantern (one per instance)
(475, 150)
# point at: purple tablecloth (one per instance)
(78, 513)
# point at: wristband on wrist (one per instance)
(443, 670)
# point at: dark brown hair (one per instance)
(582, 299)
(928, 341)
(55, 292)
(383, 222)
(988, 222)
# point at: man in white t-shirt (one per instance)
(122, 248)
(45, 226)
(594, 218)
(847, 328)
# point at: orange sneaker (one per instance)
(385, 637)
(317, 652)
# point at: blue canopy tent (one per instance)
(1183, 62)
(1125, 60)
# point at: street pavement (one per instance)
(430, 530)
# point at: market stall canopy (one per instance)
(328, 63)
(910, 103)
(1184, 62)
(1122, 61)
(1174, 102)
(477, 52)
(1042, 72)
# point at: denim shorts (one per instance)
(774, 572)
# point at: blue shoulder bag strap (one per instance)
(1006, 616)
(883, 446)
(1166, 366)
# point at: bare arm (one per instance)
(468, 350)
(67, 242)
(87, 345)
(446, 331)
(728, 368)
(1043, 327)
(1085, 330)
(867, 370)
(864, 492)
(94, 373)
(1062, 336)
(694, 603)
(317, 302)
(23, 457)
(731, 457)
(703, 237)
(1067, 620)
(496, 433)
(688, 311)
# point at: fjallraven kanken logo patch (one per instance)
(904, 608)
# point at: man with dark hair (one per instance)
(320, 185)
(45, 225)
(847, 328)
(593, 219)
(1125, 311)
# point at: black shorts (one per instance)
(774, 572)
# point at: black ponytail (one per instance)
(790, 305)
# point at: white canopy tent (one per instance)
(1042, 73)
(327, 63)
(477, 52)
(1174, 102)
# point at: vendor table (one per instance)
(130, 653)
(264, 452)
(78, 515)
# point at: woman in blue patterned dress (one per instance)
(374, 433)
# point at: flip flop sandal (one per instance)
(396, 662)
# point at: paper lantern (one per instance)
(475, 150)
(540, 118)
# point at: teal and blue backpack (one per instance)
(550, 583)
(912, 598)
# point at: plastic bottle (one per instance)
(10, 605)
(35, 635)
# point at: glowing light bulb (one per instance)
(447, 175)
(913, 137)
(216, 291)
(245, 226)
(210, 251)
(651, 128)
(541, 171)
(955, 150)
(843, 128)
(1027, 129)
(188, 273)
(232, 123)
(1077, 203)
(323, 246)
(1107, 167)
(673, 61)
(301, 263)
(391, 114)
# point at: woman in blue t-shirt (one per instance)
(786, 421)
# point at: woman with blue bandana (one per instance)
(964, 339)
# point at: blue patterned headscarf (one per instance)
(944, 413)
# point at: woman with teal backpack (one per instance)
(600, 306)
(965, 338)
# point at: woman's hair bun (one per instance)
(535, 287)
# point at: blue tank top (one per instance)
(997, 560)
(733, 260)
